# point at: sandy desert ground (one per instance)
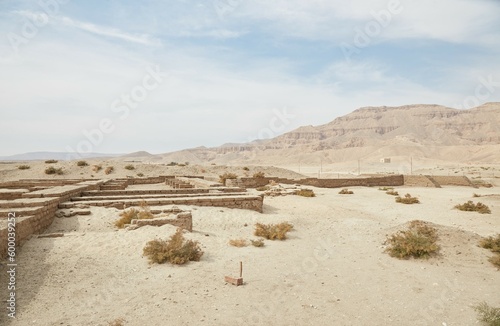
(331, 271)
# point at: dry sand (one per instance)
(331, 271)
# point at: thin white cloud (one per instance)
(111, 32)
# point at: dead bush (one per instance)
(176, 250)
(109, 170)
(407, 199)
(346, 192)
(53, 170)
(392, 193)
(305, 193)
(96, 168)
(489, 315)
(130, 214)
(51, 161)
(238, 243)
(385, 188)
(129, 167)
(82, 163)
(493, 244)
(246, 169)
(140, 175)
(264, 188)
(257, 243)
(273, 231)
(418, 241)
(225, 176)
(469, 206)
(476, 195)
(259, 175)
(24, 167)
(117, 322)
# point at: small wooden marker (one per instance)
(236, 281)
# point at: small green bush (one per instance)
(489, 315)
(407, 199)
(53, 170)
(469, 206)
(305, 193)
(346, 192)
(82, 163)
(273, 231)
(176, 250)
(24, 167)
(418, 241)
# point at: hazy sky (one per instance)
(121, 76)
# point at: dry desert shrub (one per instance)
(346, 192)
(129, 167)
(82, 163)
(225, 176)
(489, 315)
(273, 231)
(246, 169)
(495, 260)
(257, 243)
(51, 161)
(53, 170)
(385, 188)
(493, 244)
(140, 175)
(176, 250)
(392, 193)
(418, 241)
(259, 175)
(96, 168)
(476, 195)
(305, 193)
(407, 199)
(238, 243)
(109, 170)
(264, 188)
(469, 206)
(130, 214)
(24, 167)
(117, 322)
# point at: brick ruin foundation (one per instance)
(35, 201)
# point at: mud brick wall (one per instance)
(183, 220)
(453, 180)
(393, 180)
(418, 181)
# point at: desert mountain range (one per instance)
(421, 131)
(371, 133)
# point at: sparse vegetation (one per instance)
(385, 188)
(140, 175)
(346, 192)
(172, 164)
(246, 169)
(53, 170)
(238, 243)
(257, 243)
(392, 193)
(127, 216)
(117, 322)
(176, 250)
(489, 315)
(82, 163)
(305, 193)
(273, 231)
(225, 176)
(407, 199)
(96, 168)
(418, 241)
(51, 161)
(476, 195)
(259, 175)
(109, 170)
(24, 167)
(493, 244)
(129, 167)
(469, 206)
(263, 188)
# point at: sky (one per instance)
(124, 76)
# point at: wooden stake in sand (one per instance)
(233, 280)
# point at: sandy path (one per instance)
(332, 270)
